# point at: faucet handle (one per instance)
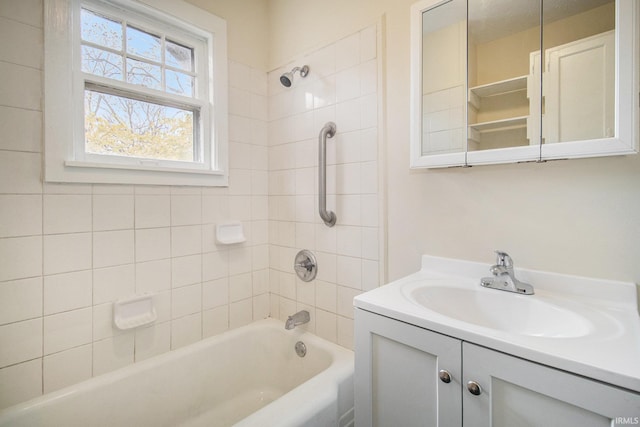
(503, 259)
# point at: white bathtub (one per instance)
(250, 376)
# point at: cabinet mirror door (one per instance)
(529, 79)
(439, 77)
(579, 70)
(581, 113)
(503, 94)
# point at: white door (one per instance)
(579, 90)
(398, 375)
(518, 393)
(535, 99)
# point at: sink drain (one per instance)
(301, 349)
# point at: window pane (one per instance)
(178, 56)
(144, 74)
(143, 44)
(101, 31)
(101, 63)
(120, 126)
(179, 83)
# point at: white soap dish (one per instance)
(231, 232)
(129, 313)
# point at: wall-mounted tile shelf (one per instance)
(231, 232)
(129, 313)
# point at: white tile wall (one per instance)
(443, 120)
(20, 300)
(69, 291)
(215, 321)
(342, 86)
(22, 86)
(152, 341)
(26, 38)
(113, 353)
(66, 214)
(186, 330)
(152, 244)
(111, 283)
(67, 367)
(67, 251)
(113, 248)
(20, 382)
(113, 212)
(20, 341)
(20, 215)
(152, 211)
(66, 330)
(21, 257)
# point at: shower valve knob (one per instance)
(305, 265)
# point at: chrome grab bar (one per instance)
(327, 131)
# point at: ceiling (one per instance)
(493, 19)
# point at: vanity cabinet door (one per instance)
(398, 374)
(515, 392)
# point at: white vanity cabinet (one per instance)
(401, 371)
(397, 371)
(516, 392)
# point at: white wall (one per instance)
(247, 28)
(579, 217)
(68, 251)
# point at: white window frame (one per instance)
(65, 158)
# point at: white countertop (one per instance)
(609, 352)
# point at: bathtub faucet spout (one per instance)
(299, 318)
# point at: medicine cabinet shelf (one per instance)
(512, 123)
(498, 125)
(485, 98)
(496, 88)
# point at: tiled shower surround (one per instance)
(342, 86)
(68, 251)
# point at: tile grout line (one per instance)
(93, 368)
(135, 270)
(42, 255)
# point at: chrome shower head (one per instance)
(287, 78)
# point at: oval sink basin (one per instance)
(525, 315)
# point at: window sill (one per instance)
(71, 171)
(152, 168)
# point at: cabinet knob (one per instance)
(445, 376)
(474, 388)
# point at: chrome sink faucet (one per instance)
(504, 278)
(299, 318)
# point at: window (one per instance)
(134, 94)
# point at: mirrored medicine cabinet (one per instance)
(503, 81)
